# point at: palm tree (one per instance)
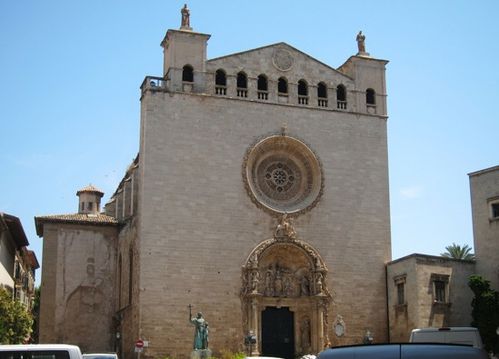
(457, 252)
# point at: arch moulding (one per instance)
(286, 272)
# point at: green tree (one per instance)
(485, 312)
(15, 321)
(35, 311)
(457, 252)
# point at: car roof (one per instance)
(39, 346)
(404, 351)
(452, 329)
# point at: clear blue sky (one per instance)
(71, 70)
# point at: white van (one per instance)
(40, 351)
(451, 335)
(404, 351)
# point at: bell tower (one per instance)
(89, 200)
(184, 63)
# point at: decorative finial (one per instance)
(361, 44)
(284, 129)
(186, 21)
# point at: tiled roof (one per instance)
(89, 188)
(77, 218)
(16, 229)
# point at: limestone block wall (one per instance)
(77, 301)
(127, 301)
(421, 309)
(484, 187)
(198, 224)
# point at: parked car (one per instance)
(40, 351)
(99, 356)
(450, 335)
(404, 351)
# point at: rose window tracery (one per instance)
(283, 175)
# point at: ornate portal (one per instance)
(284, 271)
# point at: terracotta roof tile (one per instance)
(79, 218)
(89, 188)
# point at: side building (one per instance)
(17, 263)
(78, 275)
(432, 291)
(484, 188)
(428, 291)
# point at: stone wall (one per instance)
(198, 224)
(78, 281)
(484, 187)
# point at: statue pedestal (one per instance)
(201, 354)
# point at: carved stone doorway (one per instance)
(285, 272)
(278, 334)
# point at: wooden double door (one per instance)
(278, 333)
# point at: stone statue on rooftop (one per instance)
(361, 38)
(361, 44)
(186, 22)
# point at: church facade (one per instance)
(259, 197)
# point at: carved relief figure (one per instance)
(305, 335)
(278, 283)
(255, 279)
(269, 283)
(288, 286)
(319, 284)
(285, 228)
(304, 286)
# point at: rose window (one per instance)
(283, 175)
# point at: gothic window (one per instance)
(322, 94)
(302, 92)
(341, 97)
(242, 85)
(220, 78)
(188, 74)
(242, 80)
(322, 90)
(262, 86)
(302, 88)
(282, 86)
(262, 83)
(220, 82)
(370, 97)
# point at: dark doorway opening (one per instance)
(278, 333)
